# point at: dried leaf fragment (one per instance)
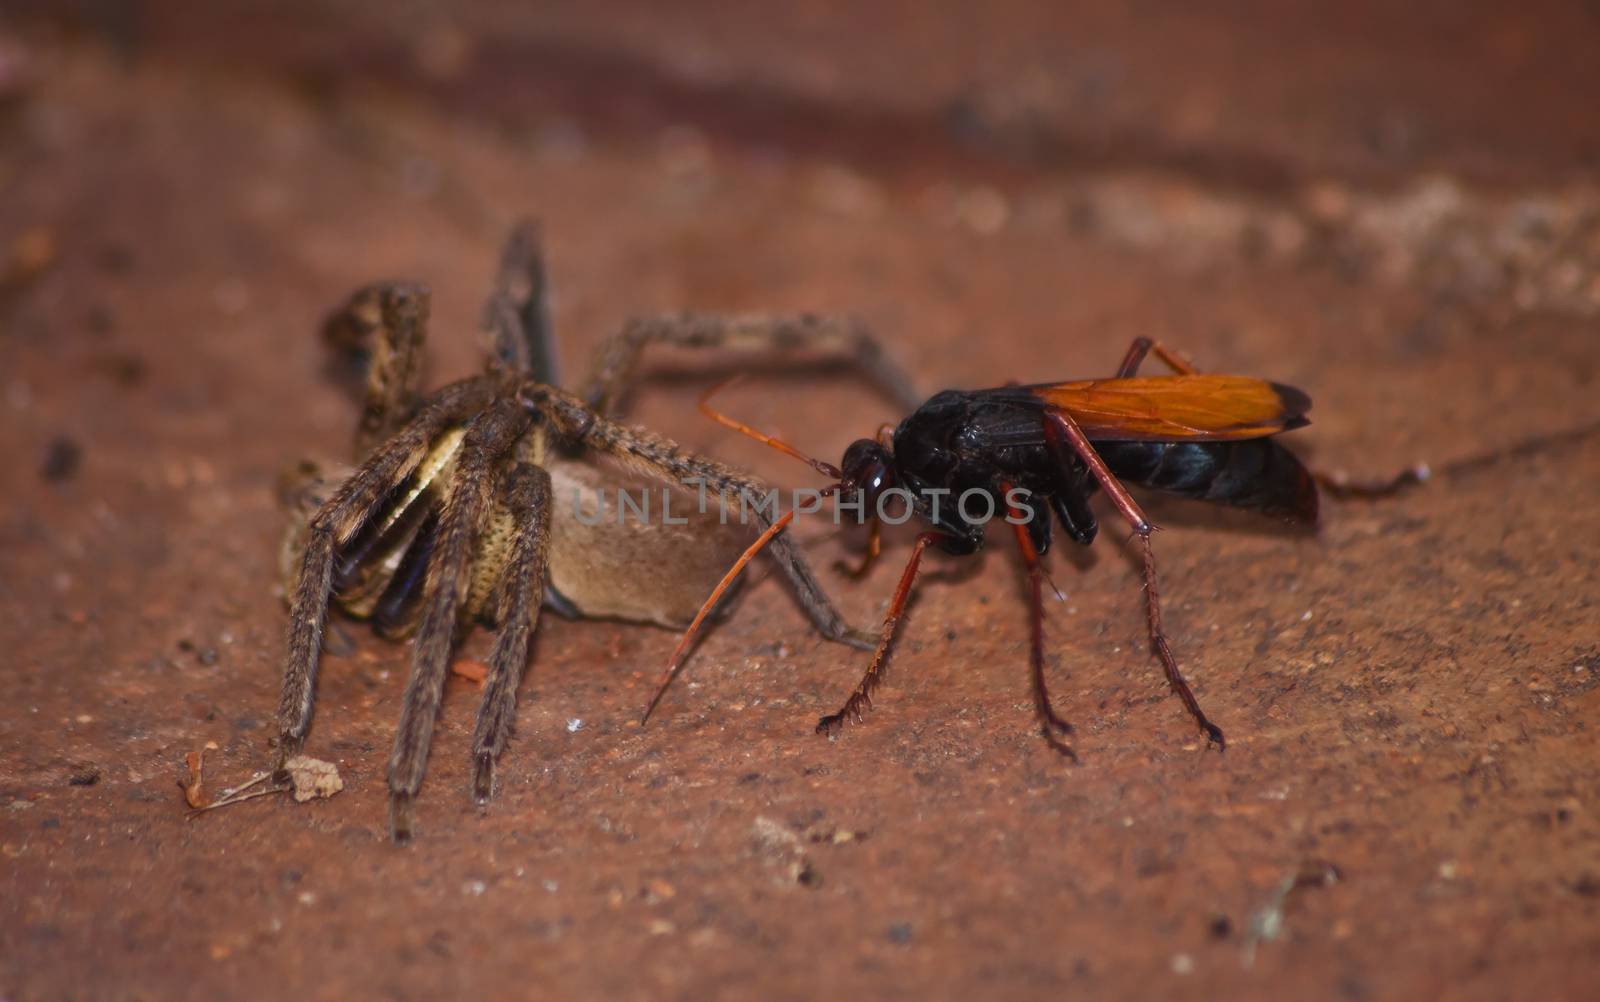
(309, 779)
(312, 778)
(194, 793)
(477, 671)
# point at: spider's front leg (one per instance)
(334, 525)
(376, 339)
(489, 437)
(617, 357)
(526, 493)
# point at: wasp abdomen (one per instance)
(1255, 473)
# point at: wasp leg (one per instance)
(1143, 346)
(860, 699)
(1052, 725)
(1064, 434)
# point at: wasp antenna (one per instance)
(675, 663)
(826, 469)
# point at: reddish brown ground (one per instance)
(1392, 206)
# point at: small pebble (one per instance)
(62, 458)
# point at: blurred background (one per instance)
(1396, 207)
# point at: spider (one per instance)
(451, 513)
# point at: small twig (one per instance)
(241, 798)
(234, 791)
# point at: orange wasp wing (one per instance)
(1160, 408)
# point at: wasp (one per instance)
(1036, 455)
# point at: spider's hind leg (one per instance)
(516, 318)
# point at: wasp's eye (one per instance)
(869, 468)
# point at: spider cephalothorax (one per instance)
(450, 514)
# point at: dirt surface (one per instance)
(1396, 211)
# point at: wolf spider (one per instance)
(448, 516)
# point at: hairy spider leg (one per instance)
(526, 491)
(517, 331)
(619, 355)
(379, 332)
(490, 436)
(334, 524)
